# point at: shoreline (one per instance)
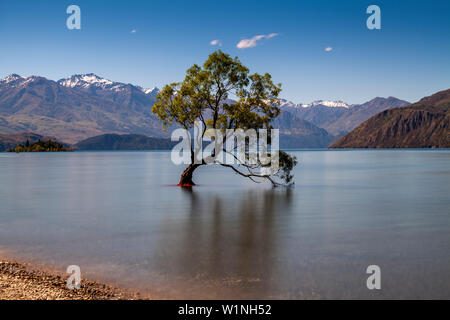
(25, 281)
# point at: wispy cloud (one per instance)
(216, 43)
(133, 31)
(252, 42)
(328, 49)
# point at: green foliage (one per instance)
(40, 146)
(224, 95)
(205, 92)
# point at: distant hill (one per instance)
(337, 117)
(298, 133)
(424, 124)
(124, 142)
(8, 141)
(40, 146)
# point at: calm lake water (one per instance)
(120, 218)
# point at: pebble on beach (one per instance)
(20, 282)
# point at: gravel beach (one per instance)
(20, 281)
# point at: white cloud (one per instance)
(252, 42)
(216, 43)
(328, 49)
(133, 31)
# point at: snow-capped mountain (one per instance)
(11, 78)
(91, 80)
(85, 105)
(288, 104)
(17, 80)
(338, 117)
(75, 108)
(153, 92)
(327, 103)
(88, 80)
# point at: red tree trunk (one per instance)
(186, 176)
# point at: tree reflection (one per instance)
(231, 243)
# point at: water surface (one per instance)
(120, 218)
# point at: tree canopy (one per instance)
(222, 94)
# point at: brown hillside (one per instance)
(424, 124)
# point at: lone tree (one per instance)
(223, 95)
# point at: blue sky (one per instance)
(408, 58)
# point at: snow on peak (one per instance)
(153, 91)
(327, 103)
(13, 77)
(85, 80)
(92, 80)
(286, 103)
(17, 80)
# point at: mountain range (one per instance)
(424, 124)
(84, 106)
(76, 108)
(338, 118)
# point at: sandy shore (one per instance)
(21, 281)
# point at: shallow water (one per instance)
(120, 218)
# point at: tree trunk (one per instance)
(186, 176)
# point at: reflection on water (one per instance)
(118, 216)
(237, 251)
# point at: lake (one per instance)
(120, 217)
